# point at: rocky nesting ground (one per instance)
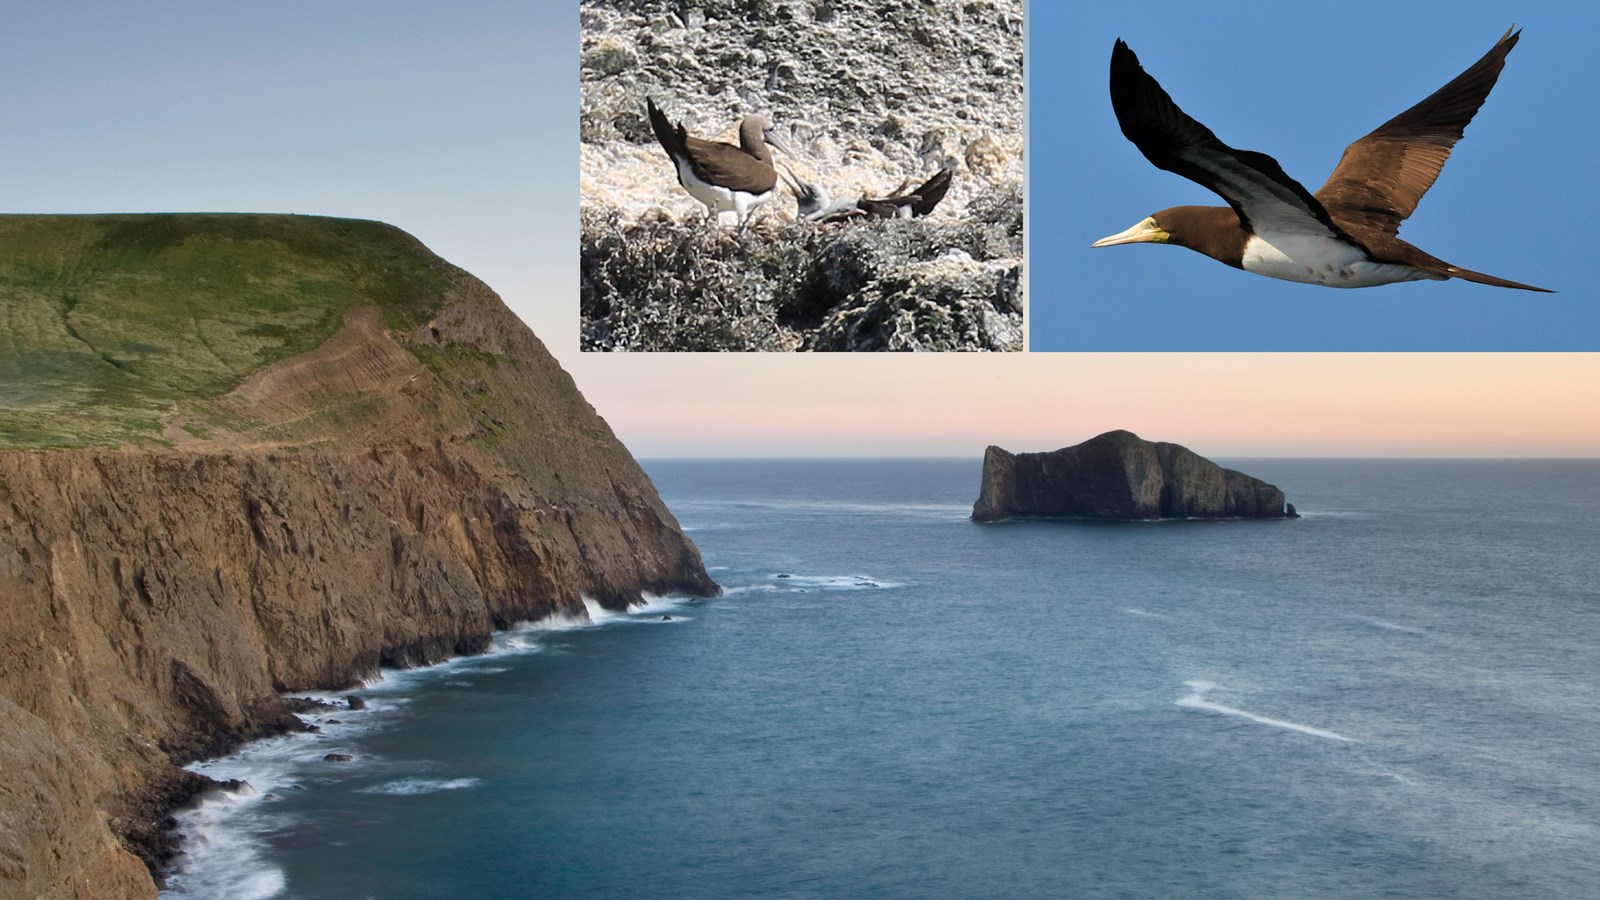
(869, 94)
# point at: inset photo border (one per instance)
(812, 175)
(1300, 86)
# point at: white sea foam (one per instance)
(730, 591)
(407, 787)
(222, 856)
(1197, 700)
(224, 850)
(787, 582)
(792, 581)
(513, 641)
(654, 606)
(599, 615)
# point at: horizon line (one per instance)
(888, 456)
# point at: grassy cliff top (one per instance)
(107, 322)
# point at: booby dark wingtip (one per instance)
(1123, 57)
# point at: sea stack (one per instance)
(1120, 476)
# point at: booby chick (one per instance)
(722, 176)
(1347, 234)
(813, 201)
(815, 205)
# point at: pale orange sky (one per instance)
(1234, 404)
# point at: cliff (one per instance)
(869, 95)
(1119, 475)
(241, 455)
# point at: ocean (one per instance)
(1394, 696)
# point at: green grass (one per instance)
(467, 368)
(107, 322)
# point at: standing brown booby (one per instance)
(1347, 234)
(722, 176)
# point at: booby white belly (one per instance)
(1312, 259)
(716, 197)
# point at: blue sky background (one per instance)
(1299, 81)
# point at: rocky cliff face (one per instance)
(389, 497)
(1118, 475)
(870, 95)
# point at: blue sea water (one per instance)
(1395, 696)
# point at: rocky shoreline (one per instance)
(389, 498)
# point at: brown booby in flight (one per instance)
(722, 176)
(814, 204)
(1346, 234)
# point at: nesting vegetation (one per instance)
(915, 284)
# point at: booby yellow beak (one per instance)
(1146, 232)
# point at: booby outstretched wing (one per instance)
(815, 205)
(1382, 176)
(912, 204)
(1257, 188)
(1345, 235)
(930, 193)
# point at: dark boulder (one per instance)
(1119, 475)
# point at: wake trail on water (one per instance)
(1388, 626)
(1197, 700)
(1144, 614)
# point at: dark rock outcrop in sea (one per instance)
(1119, 475)
(243, 455)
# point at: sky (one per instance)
(458, 124)
(1514, 200)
